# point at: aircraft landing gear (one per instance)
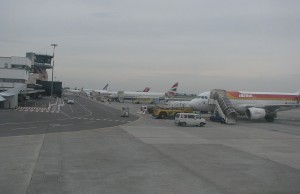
(269, 118)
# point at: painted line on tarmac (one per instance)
(71, 108)
(65, 114)
(125, 124)
(112, 112)
(89, 122)
(8, 123)
(23, 128)
(59, 125)
(90, 113)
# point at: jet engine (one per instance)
(255, 113)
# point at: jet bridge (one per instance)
(223, 106)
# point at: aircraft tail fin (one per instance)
(146, 89)
(173, 90)
(105, 87)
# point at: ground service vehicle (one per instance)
(148, 109)
(163, 113)
(189, 119)
(125, 112)
(70, 101)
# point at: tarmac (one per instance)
(156, 156)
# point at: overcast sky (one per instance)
(130, 44)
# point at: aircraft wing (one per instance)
(281, 107)
(274, 107)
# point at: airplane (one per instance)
(105, 93)
(134, 95)
(89, 92)
(254, 105)
(74, 90)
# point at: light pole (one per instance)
(54, 45)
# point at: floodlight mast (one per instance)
(54, 45)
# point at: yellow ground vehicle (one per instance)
(163, 113)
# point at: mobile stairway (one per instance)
(223, 106)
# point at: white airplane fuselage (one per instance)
(130, 95)
(103, 93)
(250, 102)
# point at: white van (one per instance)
(189, 119)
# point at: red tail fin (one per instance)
(146, 89)
(173, 90)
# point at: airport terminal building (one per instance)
(22, 78)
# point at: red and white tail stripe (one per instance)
(173, 90)
(146, 89)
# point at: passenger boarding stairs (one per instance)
(223, 106)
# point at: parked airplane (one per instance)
(134, 95)
(254, 105)
(74, 90)
(104, 92)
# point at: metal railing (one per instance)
(225, 105)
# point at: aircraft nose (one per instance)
(193, 104)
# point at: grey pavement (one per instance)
(155, 156)
(39, 102)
